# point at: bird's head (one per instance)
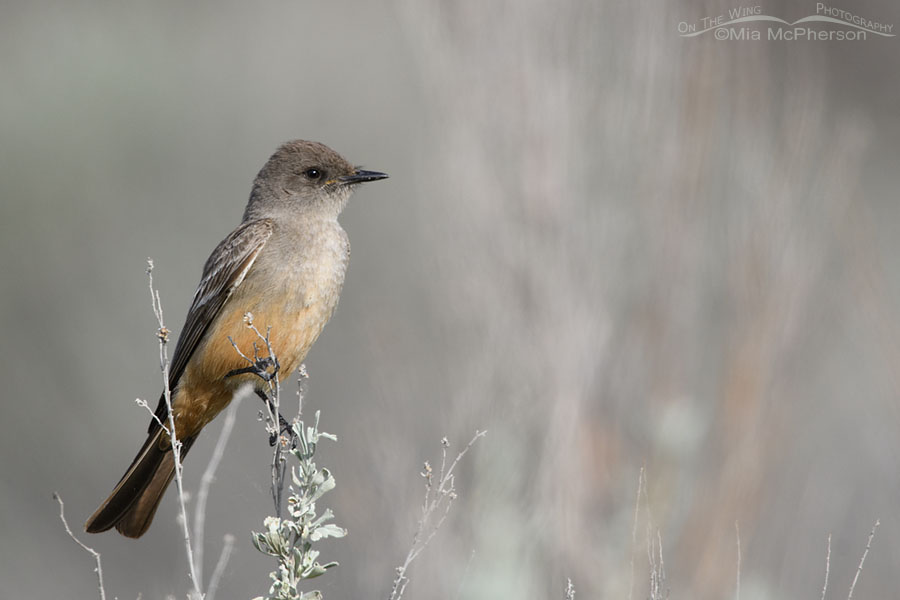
(305, 176)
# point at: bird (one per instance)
(284, 265)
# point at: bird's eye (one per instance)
(312, 174)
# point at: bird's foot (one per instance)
(284, 427)
(260, 368)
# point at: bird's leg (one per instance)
(283, 426)
(260, 368)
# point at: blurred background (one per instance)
(610, 246)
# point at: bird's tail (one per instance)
(132, 504)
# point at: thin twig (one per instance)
(827, 567)
(163, 336)
(439, 496)
(737, 585)
(227, 545)
(143, 403)
(863, 558)
(273, 409)
(94, 553)
(662, 563)
(654, 548)
(209, 476)
(637, 505)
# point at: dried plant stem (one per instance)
(863, 558)
(654, 549)
(657, 564)
(163, 336)
(279, 464)
(827, 567)
(634, 527)
(94, 553)
(439, 496)
(273, 410)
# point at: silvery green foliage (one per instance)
(290, 540)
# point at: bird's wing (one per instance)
(224, 271)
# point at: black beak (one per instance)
(360, 176)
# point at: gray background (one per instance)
(608, 245)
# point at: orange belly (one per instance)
(204, 391)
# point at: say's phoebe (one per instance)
(285, 264)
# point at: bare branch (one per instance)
(143, 404)
(163, 335)
(827, 567)
(273, 408)
(654, 549)
(439, 497)
(637, 506)
(94, 553)
(863, 558)
(657, 564)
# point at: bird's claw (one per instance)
(260, 368)
(284, 427)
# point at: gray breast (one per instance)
(317, 260)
